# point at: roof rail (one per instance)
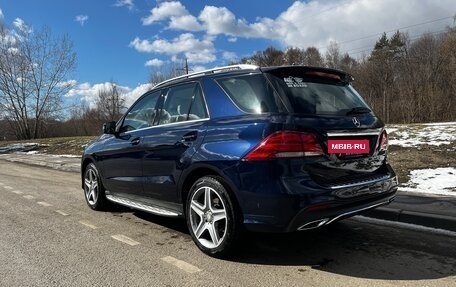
(212, 71)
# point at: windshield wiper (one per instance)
(358, 110)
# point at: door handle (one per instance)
(135, 141)
(188, 137)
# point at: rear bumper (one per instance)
(286, 204)
(310, 219)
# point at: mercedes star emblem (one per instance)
(356, 122)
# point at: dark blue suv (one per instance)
(273, 149)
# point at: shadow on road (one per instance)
(347, 248)
(358, 250)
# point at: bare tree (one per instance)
(168, 71)
(269, 57)
(294, 56)
(35, 72)
(110, 103)
(312, 57)
(332, 56)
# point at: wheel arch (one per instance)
(205, 170)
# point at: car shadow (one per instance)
(350, 249)
(175, 224)
(346, 248)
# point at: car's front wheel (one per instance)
(93, 189)
(212, 218)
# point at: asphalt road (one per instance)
(49, 237)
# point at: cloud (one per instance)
(133, 94)
(9, 39)
(1, 14)
(81, 19)
(69, 83)
(201, 56)
(165, 10)
(21, 26)
(13, 51)
(154, 63)
(88, 92)
(199, 51)
(185, 22)
(313, 23)
(220, 20)
(125, 3)
(198, 68)
(229, 56)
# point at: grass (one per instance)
(57, 146)
(402, 159)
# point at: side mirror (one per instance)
(109, 128)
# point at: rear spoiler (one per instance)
(315, 72)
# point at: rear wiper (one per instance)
(358, 110)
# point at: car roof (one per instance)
(345, 77)
(216, 70)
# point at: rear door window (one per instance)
(183, 103)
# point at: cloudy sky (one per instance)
(124, 40)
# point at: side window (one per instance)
(178, 103)
(251, 93)
(142, 114)
(198, 109)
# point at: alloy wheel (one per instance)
(208, 217)
(91, 186)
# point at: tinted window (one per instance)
(317, 96)
(183, 103)
(198, 108)
(251, 93)
(142, 114)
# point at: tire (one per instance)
(212, 217)
(94, 192)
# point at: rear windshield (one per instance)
(317, 95)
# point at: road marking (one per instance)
(29, 197)
(8, 187)
(187, 267)
(62, 213)
(89, 225)
(125, 239)
(45, 204)
(17, 191)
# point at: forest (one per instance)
(403, 79)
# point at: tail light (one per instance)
(286, 144)
(383, 143)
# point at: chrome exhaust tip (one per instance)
(314, 224)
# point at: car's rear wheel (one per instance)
(94, 191)
(212, 218)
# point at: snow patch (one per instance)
(19, 147)
(434, 134)
(440, 181)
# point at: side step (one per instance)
(140, 206)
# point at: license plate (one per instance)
(348, 146)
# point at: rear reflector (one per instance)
(286, 144)
(383, 143)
